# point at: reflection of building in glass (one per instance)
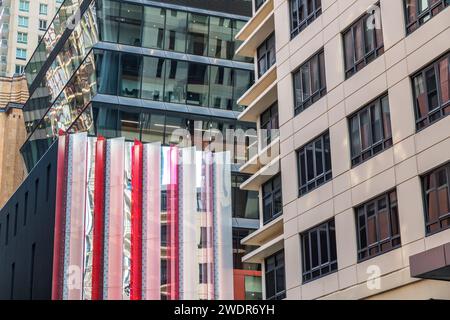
(142, 72)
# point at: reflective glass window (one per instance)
(197, 40)
(198, 84)
(153, 78)
(176, 79)
(130, 24)
(220, 38)
(153, 33)
(175, 37)
(130, 75)
(221, 88)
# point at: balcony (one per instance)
(258, 93)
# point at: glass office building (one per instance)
(142, 71)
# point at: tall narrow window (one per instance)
(432, 92)
(266, 55)
(153, 31)
(153, 74)
(198, 84)
(314, 164)
(25, 209)
(33, 253)
(363, 42)
(13, 276)
(221, 38)
(377, 223)
(130, 24)
(7, 230)
(303, 13)
(309, 82)
(370, 130)
(319, 256)
(36, 195)
(175, 34)
(175, 81)
(272, 199)
(437, 199)
(130, 75)
(420, 11)
(16, 216)
(269, 125)
(275, 277)
(47, 182)
(197, 34)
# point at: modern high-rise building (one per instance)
(354, 187)
(22, 24)
(135, 70)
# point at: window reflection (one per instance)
(129, 124)
(221, 95)
(197, 34)
(130, 75)
(153, 79)
(105, 120)
(176, 78)
(107, 67)
(153, 33)
(153, 127)
(130, 24)
(175, 38)
(220, 38)
(197, 86)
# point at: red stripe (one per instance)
(99, 203)
(60, 205)
(172, 220)
(136, 221)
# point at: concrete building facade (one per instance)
(23, 23)
(359, 91)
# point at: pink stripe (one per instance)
(172, 221)
(115, 234)
(152, 235)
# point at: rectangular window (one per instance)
(275, 277)
(36, 195)
(21, 54)
(266, 55)
(130, 75)
(197, 34)
(221, 38)
(245, 203)
(221, 88)
(42, 25)
(269, 122)
(272, 199)
(377, 224)
(362, 43)
(197, 89)
(24, 6)
(47, 182)
(19, 69)
(319, 256)
(153, 74)
(437, 199)
(130, 24)
(175, 38)
(16, 216)
(314, 164)
(7, 230)
(13, 275)
(25, 209)
(22, 37)
(23, 21)
(370, 130)
(431, 88)
(33, 253)
(153, 33)
(309, 82)
(43, 9)
(418, 12)
(303, 13)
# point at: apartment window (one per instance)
(245, 203)
(275, 277)
(258, 4)
(432, 92)
(23, 21)
(43, 9)
(266, 55)
(42, 24)
(19, 69)
(22, 37)
(420, 11)
(303, 13)
(269, 122)
(21, 54)
(437, 199)
(319, 256)
(314, 164)
(362, 44)
(377, 224)
(309, 83)
(272, 199)
(370, 130)
(24, 6)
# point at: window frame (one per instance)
(411, 26)
(425, 192)
(428, 120)
(368, 57)
(269, 61)
(277, 268)
(331, 265)
(385, 143)
(273, 113)
(302, 24)
(392, 238)
(271, 195)
(327, 175)
(316, 95)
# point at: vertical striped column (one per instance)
(60, 208)
(114, 219)
(151, 217)
(99, 207)
(172, 227)
(136, 221)
(209, 224)
(75, 213)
